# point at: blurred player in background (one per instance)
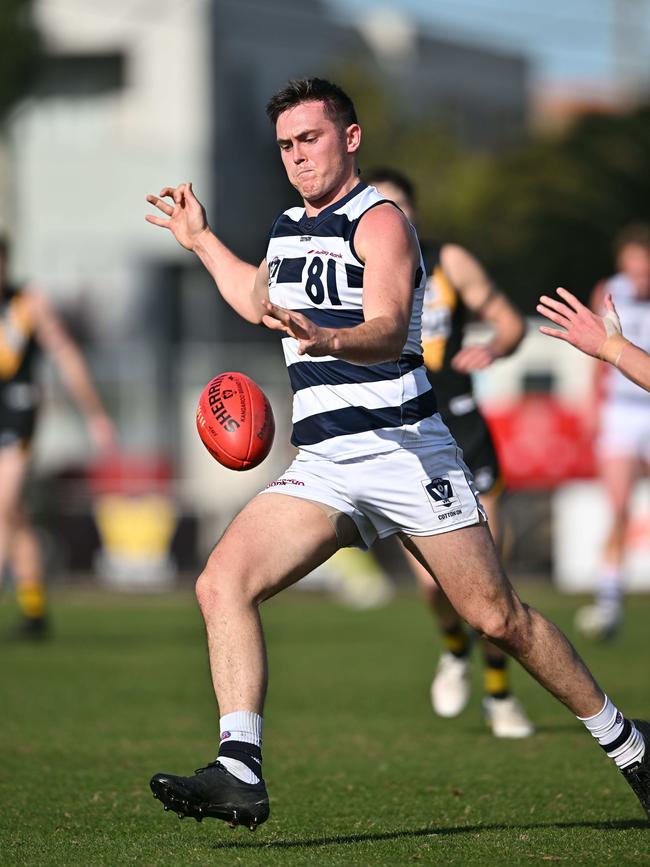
(28, 325)
(459, 290)
(624, 424)
(599, 336)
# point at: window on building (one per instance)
(81, 74)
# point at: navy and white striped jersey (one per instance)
(340, 409)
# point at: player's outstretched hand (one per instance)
(584, 329)
(185, 216)
(312, 340)
(471, 358)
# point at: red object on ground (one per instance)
(235, 421)
(541, 442)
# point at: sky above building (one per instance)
(597, 43)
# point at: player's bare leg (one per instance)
(468, 570)
(271, 544)
(602, 618)
(27, 568)
(13, 466)
(30, 595)
(451, 685)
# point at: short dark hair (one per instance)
(635, 233)
(385, 175)
(4, 246)
(338, 105)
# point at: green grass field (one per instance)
(359, 770)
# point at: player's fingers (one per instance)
(162, 206)
(277, 312)
(167, 192)
(157, 221)
(553, 332)
(558, 318)
(184, 191)
(556, 305)
(571, 299)
(273, 323)
(609, 302)
(180, 193)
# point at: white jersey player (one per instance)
(623, 446)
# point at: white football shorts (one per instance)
(625, 430)
(419, 492)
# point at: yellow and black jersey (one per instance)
(444, 318)
(17, 341)
(18, 352)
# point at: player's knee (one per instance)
(222, 587)
(507, 626)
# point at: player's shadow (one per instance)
(347, 839)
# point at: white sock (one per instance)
(617, 735)
(610, 590)
(243, 726)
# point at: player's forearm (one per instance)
(234, 278)
(507, 340)
(75, 375)
(372, 342)
(635, 364)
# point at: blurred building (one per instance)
(138, 95)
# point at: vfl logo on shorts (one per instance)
(441, 493)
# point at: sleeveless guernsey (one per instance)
(444, 318)
(18, 352)
(343, 410)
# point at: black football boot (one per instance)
(213, 791)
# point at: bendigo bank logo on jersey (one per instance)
(443, 498)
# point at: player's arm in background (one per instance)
(598, 336)
(385, 243)
(57, 343)
(239, 282)
(485, 301)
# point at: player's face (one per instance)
(634, 260)
(395, 194)
(319, 157)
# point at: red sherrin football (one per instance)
(235, 421)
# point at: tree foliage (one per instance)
(547, 214)
(540, 215)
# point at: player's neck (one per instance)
(314, 207)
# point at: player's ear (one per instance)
(353, 138)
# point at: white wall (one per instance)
(82, 166)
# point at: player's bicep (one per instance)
(386, 244)
(468, 277)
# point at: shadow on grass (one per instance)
(347, 839)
